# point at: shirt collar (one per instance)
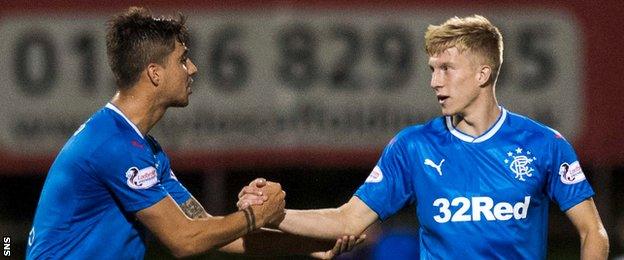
(114, 108)
(485, 136)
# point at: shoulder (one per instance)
(91, 134)
(107, 135)
(115, 143)
(434, 126)
(119, 153)
(419, 132)
(154, 142)
(532, 128)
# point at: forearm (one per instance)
(185, 236)
(268, 242)
(320, 223)
(352, 218)
(595, 245)
(211, 232)
(194, 210)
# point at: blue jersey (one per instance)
(105, 173)
(484, 197)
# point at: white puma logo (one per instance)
(436, 166)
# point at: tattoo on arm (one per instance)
(193, 209)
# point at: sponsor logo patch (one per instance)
(141, 179)
(375, 176)
(571, 173)
(478, 208)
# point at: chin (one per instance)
(447, 112)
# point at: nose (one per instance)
(436, 80)
(192, 69)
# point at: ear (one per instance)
(484, 74)
(154, 73)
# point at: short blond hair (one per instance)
(474, 33)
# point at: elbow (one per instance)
(603, 239)
(597, 239)
(350, 227)
(602, 234)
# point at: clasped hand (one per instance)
(261, 193)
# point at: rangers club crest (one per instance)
(519, 162)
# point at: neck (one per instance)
(141, 110)
(477, 119)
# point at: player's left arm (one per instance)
(594, 239)
(568, 187)
(274, 242)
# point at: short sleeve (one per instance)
(130, 174)
(387, 188)
(567, 185)
(174, 187)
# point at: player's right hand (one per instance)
(252, 194)
(272, 210)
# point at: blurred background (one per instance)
(307, 93)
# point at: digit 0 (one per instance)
(35, 63)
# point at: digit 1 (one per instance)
(84, 46)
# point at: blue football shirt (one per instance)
(105, 173)
(484, 197)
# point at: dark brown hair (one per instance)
(135, 39)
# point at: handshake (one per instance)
(263, 203)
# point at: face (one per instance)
(179, 70)
(455, 80)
